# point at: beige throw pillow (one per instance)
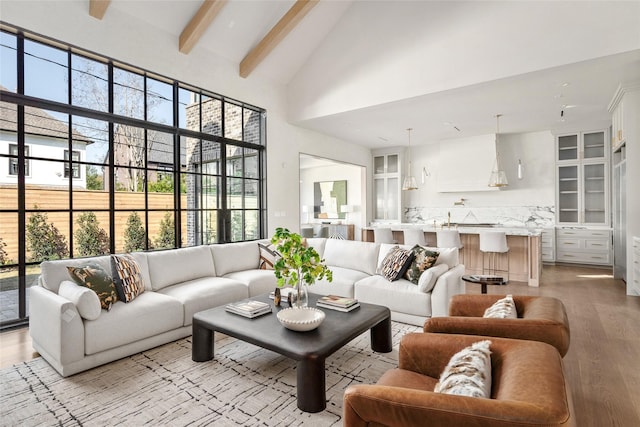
(468, 372)
(504, 308)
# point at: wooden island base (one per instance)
(524, 258)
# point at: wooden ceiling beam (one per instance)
(199, 23)
(287, 23)
(97, 8)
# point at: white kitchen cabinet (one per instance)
(386, 186)
(635, 285)
(584, 246)
(582, 179)
(548, 245)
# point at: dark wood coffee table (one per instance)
(309, 349)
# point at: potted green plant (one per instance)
(299, 265)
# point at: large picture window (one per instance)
(116, 159)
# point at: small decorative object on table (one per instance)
(299, 265)
(249, 309)
(287, 295)
(276, 297)
(339, 303)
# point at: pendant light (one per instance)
(409, 182)
(498, 177)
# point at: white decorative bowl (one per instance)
(301, 319)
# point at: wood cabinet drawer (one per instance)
(583, 233)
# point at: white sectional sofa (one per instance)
(181, 282)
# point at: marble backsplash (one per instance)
(505, 216)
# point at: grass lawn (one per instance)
(9, 278)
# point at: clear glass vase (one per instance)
(302, 295)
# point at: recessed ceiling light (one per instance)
(565, 84)
(565, 106)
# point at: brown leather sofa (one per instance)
(539, 319)
(529, 387)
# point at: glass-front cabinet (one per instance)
(386, 187)
(582, 178)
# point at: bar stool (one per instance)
(414, 236)
(450, 239)
(494, 243)
(383, 235)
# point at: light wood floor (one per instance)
(603, 359)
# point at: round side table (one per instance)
(484, 280)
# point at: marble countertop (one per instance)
(464, 229)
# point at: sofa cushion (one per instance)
(149, 314)
(96, 278)
(401, 296)
(317, 243)
(342, 284)
(86, 301)
(179, 265)
(396, 263)
(55, 272)
(141, 260)
(351, 254)
(204, 293)
(127, 277)
(448, 256)
(230, 257)
(468, 372)
(428, 279)
(423, 259)
(257, 281)
(502, 309)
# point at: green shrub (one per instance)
(90, 239)
(44, 241)
(167, 236)
(4, 256)
(134, 234)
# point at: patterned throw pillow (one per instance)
(395, 264)
(127, 277)
(502, 309)
(468, 372)
(423, 259)
(268, 256)
(97, 279)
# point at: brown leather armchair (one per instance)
(529, 387)
(539, 319)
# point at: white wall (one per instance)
(129, 40)
(355, 191)
(409, 49)
(42, 172)
(537, 187)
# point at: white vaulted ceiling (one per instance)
(364, 71)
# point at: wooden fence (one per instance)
(47, 199)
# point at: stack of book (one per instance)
(335, 302)
(249, 309)
(487, 277)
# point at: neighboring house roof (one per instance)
(37, 122)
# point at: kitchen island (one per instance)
(525, 248)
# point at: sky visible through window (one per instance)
(46, 76)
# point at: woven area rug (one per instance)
(243, 386)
